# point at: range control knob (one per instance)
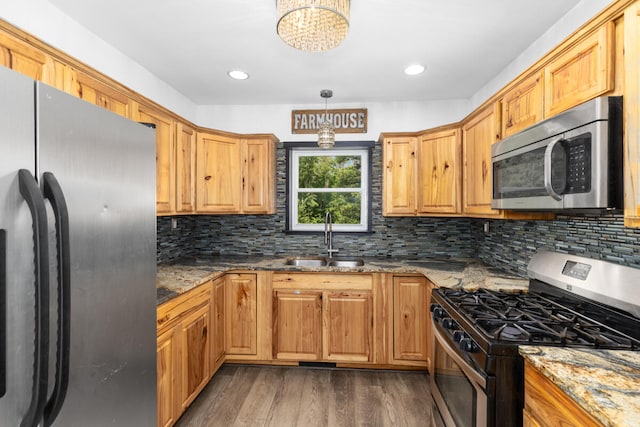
(458, 335)
(449, 323)
(467, 345)
(438, 312)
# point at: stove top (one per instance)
(529, 318)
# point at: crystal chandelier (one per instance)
(313, 25)
(326, 132)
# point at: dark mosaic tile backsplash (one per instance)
(508, 245)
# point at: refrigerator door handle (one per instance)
(53, 192)
(3, 312)
(32, 195)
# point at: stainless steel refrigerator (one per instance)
(77, 262)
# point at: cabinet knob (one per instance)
(207, 178)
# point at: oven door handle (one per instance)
(471, 373)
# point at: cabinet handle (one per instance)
(207, 178)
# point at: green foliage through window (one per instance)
(335, 182)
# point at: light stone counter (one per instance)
(606, 383)
(180, 276)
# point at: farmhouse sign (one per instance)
(351, 120)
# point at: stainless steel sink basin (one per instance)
(307, 261)
(345, 262)
(317, 261)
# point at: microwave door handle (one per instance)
(547, 170)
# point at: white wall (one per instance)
(388, 117)
(48, 23)
(577, 16)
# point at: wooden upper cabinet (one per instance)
(235, 175)
(218, 174)
(581, 73)
(478, 134)
(631, 113)
(165, 156)
(85, 87)
(30, 61)
(399, 179)
(439, 172)
(185, 169)
(522, 105)
(259, 175)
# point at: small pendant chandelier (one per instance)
(326, 132)
(313, 25)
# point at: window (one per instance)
(335, 180)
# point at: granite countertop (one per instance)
(606, 383)
(180, 276)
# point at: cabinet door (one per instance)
(399, 186)
(168, 366)
(92, 90)
(165, 157)
(218, 174)
(258, 176)
(477, 137)
(185, 169)
(439, 171)
(30, 61)
(522, 105)
(631, 111)
(241, 314)
(583, 72)
(195, 351)
(217, 322)
(411, 318)
(297, 325)
(348, 324)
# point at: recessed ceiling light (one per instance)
(238, 75)
(414, 69)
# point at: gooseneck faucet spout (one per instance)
(328, 234)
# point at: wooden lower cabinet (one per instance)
(183, 350)
(218, 292)
(411, 322)
(546, 405)
(297, 325)
(195, 352)
(348, 326)
(326, 317)
(241, 314)
(167, 372)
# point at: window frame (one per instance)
(362, 147)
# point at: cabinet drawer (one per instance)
(170, 311)
(321, 281)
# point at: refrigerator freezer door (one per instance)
(17, 151)
(105, 165)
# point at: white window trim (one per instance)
(296, 153)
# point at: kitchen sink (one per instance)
(316, 261)
(307, 261)
(345, 262)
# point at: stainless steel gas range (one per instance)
(477, 377)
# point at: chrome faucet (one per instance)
(328, 234)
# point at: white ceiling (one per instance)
(191, 44)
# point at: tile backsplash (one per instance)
(508, 244)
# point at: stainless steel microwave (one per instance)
(572, 161)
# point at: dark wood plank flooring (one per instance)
(241, 395)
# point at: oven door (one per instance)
(458, 390)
